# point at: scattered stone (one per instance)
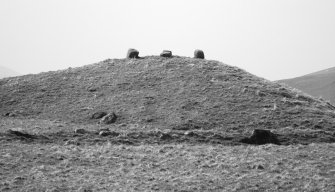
(9, 115)
(108, 119)
(92, 89)
(165, 136)
(115, 134)
(261, 137)
(190, 134)
(166, 53)
(20, 133)
(80, 131)
(107, 132)
(98, 115)
(199, 54)
(132, 53)
(260, 167)
(72, 142)
(104, 133)
(259, 93)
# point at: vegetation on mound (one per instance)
(175, 93)
(172, 120)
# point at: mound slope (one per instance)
(156, 93)
(318, 84)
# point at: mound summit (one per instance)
(178, 93)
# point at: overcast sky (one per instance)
(274, 39)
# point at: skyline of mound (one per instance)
(155, 93)
(318, 84)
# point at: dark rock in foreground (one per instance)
(261, 137)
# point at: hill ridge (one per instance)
(317, 84)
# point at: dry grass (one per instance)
(26, 167)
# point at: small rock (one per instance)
(20, 133)
(261, 137)
(92, 89)
(9, 114)
(260, 167)
(190, 134)
(199, 54)
(114, 134)
(259, 93)
(132, 53)
(80, 131)
(165, 136)
(108, 119)
(166, 53)
(72, 142)
(98, 115)
(104, 133)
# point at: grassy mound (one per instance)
(180, 125)
(155, 93)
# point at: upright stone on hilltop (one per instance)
(166, 53)
(132, 53)
(199, 54)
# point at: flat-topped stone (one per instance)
(166, 53)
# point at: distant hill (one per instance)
(318, 84)
(156, 93)
(5, 72)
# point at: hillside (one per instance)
(179, 94)
(318, 84)
(181, 125)
(5, 72)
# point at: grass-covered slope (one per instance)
(177, 121)
(174, 93)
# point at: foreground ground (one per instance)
(36, 167)
(101, 164)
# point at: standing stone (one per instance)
(108, 119)
(199, 54)
(132, 53)
(166, 53)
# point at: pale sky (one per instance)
(273, 39)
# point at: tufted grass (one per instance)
(177, 167)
